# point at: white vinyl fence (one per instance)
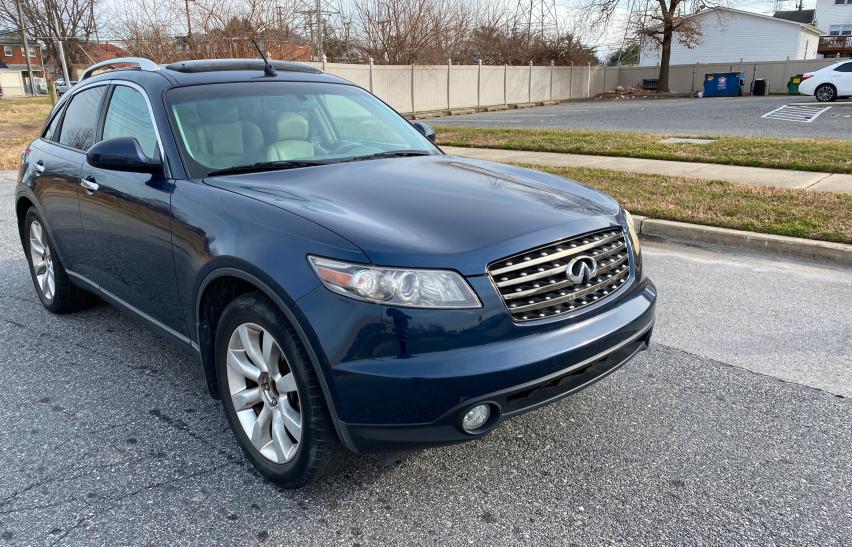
(420, 88)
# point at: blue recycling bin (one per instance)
(723, 84)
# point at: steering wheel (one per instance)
(345, 146)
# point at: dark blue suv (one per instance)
(347, 286)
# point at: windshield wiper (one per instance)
(267, 166)
(391, 154)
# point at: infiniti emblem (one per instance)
(581, 269)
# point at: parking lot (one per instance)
(711, 116)
(733, 428)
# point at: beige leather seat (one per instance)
(291, 132)
(224, 140)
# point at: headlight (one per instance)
(634, 237)
(394, 286)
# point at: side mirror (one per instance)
(426, 130)
(121, 154)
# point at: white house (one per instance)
(835, 16)
(728, 35)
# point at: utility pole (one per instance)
(93, 22)
(320, 52)
(61, 50)
(26, 48)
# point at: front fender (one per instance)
(294, 315)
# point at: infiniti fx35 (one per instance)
(347, 286)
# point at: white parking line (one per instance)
(796, 113)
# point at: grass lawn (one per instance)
(20, 122)
(833, 156)
(797, 213)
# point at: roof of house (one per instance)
(10, 37)
(97, 52)
(806, 16)
(805, 26)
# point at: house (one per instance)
(15, 81)
(835, 16)
(728, 35)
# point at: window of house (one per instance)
(81, 119)
(128, 116)
(31, 51)
(839, 2)
(840, 30)
(7, 51)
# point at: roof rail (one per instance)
(144, 64)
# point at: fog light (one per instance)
(476, 418)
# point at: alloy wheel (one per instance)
(264, 393)
(825, 93)
(42, 261)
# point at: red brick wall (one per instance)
(17, 58)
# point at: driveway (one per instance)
(711, 116)
(734, 428)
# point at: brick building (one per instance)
(15, 81)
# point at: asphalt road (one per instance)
(711, 116)
(733, 429)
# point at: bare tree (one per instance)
(388, 31)
(661, 22)
(409, 31)
(72, 21)
(176, 30)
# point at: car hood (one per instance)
(433, 211)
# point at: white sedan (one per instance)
(829, 83)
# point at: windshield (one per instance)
(222, 127)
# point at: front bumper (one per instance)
(417, 402)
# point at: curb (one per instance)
(429, 114)
(809, 249)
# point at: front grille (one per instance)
(534, 284)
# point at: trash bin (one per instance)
(793, 84)
(723, 84)
(760, 88)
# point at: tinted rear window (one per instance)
(81, 119)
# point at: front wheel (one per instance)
(272, 396)
(825, 93)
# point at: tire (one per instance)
(270, 400)
(54, 288)
(826, 93)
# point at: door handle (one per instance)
(89, 185)
(38, 167)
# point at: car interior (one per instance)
(242, 130)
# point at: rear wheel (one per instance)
(272, 396)
(52, 284)
(826, 93)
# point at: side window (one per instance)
(81, 119)
(128, 116)
(50, 133)
(845, 67)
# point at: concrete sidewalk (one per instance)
(753, 176)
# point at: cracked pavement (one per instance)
(733, 429)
